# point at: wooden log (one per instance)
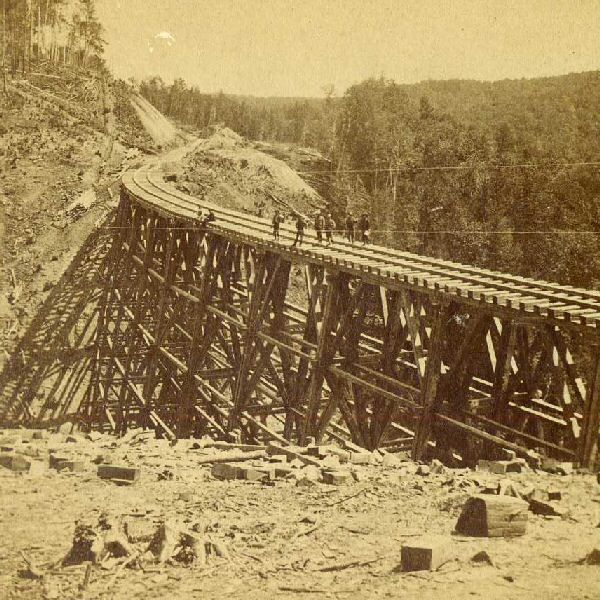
(230, 446)
(231, 457)
(486, 515)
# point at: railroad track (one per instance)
(472, 285)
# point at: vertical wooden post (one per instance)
(314, 283)
(161, 321)
(259, 304)
(394, 336)
(137, 292)
(588, 447)
(321, 359)
(431, 378)
(186, 396)
(502, 374)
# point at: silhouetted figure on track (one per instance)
(329, 228)
(300, 225)
(350, 226)
(277, 220)
(204, 221)
(319, 226)
(364, 227)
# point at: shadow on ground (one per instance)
(46, 380)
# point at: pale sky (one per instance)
(295, 47)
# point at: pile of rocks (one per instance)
(307, 466)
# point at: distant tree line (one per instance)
(57, 31)
(464, 170)
(276, 119)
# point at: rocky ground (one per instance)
(186, 528)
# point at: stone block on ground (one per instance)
(15, 462)
(437, 467)
(361, 458)
(278, 458)
(426, 553)
(331, 462)
(527, 492)
(306, 482)
(493, 516)
(323, 451)
(225, 471)
(74, 466)
(552, 465)
(309, 472)
(293, 453)
(282, 470)
(343, 455)
(546, 508)
(101, 459)
(317, 451)
(501, 467)
(337, 477)
(37, 467)
(506, 487)
(391, 460)
(253, 473)
(55, 459)
(40, 434)
(118, 472)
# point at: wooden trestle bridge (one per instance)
(222, 330)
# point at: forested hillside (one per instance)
(466, 170)
(49, 31)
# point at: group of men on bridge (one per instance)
(325, 226)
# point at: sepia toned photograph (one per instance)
(299, 299)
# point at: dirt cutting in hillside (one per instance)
(160, 129)
(230, 171)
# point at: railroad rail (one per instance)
(221, 329)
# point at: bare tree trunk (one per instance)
(38, 32)
(4, 46)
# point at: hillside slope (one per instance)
(66, 139)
